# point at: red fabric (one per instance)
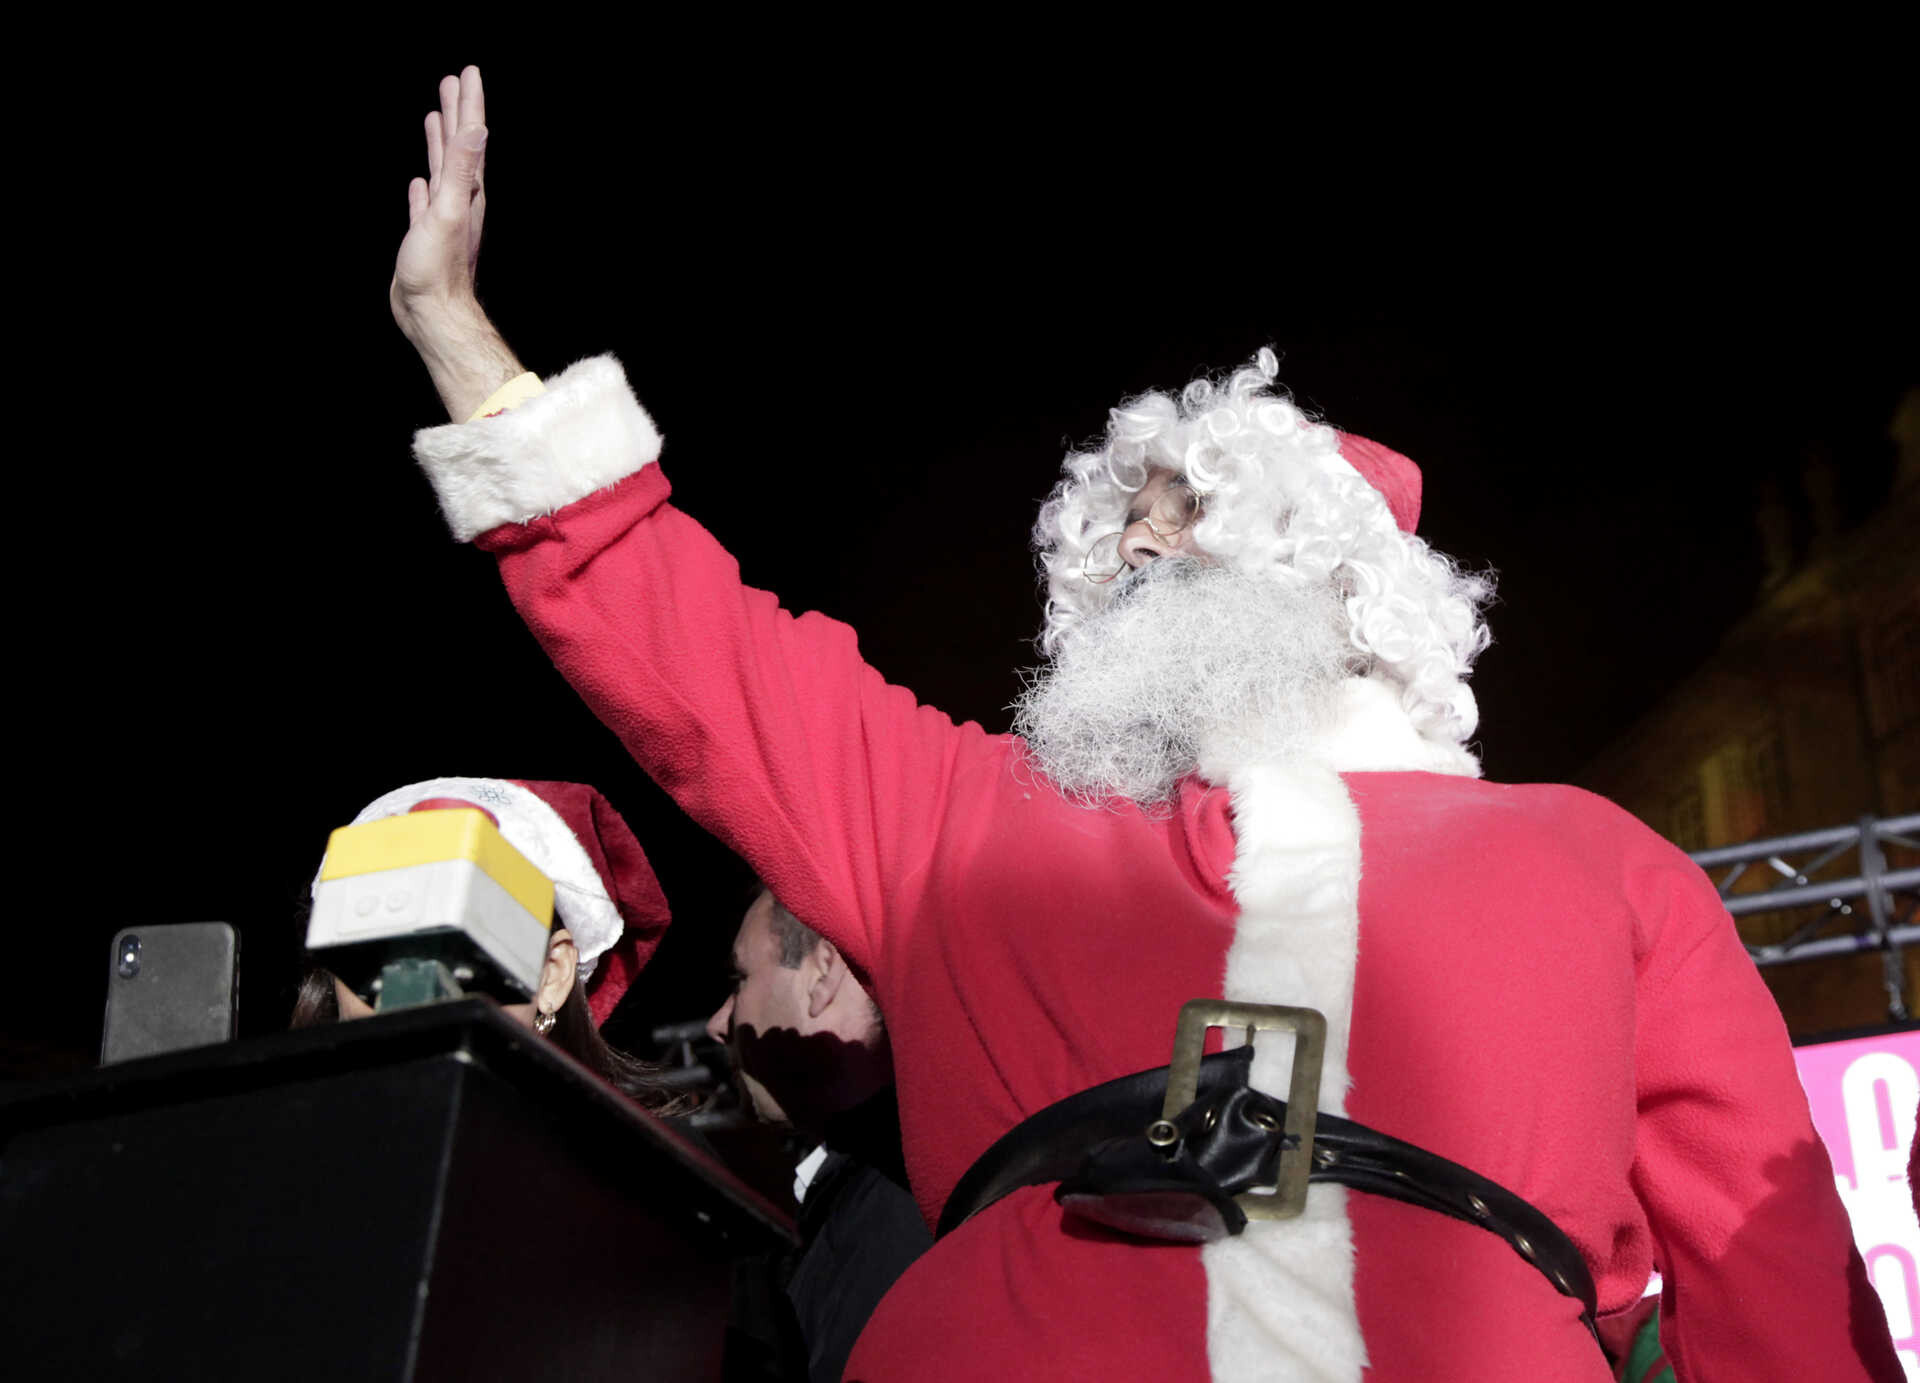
(1546, 992)
(622, 865)
(435, 804)
(1913, 1168)
(1393, 475)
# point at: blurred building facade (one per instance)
(1807, 715)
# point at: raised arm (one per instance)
(769, 730)
(432, 293)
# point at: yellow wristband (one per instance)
(512, 394)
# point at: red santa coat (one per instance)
(1522, 979)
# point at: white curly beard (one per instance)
(1190, 659)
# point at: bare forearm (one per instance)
(432, 290)
(466, 356)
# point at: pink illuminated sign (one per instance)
(1864, 1092)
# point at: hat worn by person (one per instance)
(604, 890)
(1393, 475)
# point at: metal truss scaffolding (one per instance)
(1874, 910)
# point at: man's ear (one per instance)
(826, 972)
(557, 975)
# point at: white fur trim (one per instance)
(584, 433)
(1373, 733)
(1280, 1301)
(536, 830)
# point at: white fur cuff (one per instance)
(584, 433)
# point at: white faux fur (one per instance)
(584, 433)
(1280, 1301)
(1373, 732)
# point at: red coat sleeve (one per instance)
(1761, 1279)
(768, 729)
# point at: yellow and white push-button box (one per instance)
(432, 885)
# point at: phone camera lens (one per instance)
(128, 963)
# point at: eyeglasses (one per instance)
(1177, 509)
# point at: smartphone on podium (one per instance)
(170, 986)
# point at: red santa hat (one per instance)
(604, 891)
(1393, 475)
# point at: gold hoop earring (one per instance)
(543, 1022)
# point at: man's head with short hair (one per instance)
(806, 1038)
(794, 937)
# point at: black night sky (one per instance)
(869, 319)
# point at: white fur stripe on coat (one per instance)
(1280, 1299)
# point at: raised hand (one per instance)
(435, 270)
(432, 290)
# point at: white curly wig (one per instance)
(1280, 499)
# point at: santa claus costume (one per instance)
(1522, 979)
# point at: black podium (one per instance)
(433, 1194)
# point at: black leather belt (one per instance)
(1178, 1152)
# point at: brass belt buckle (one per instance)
(1309, 1027)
